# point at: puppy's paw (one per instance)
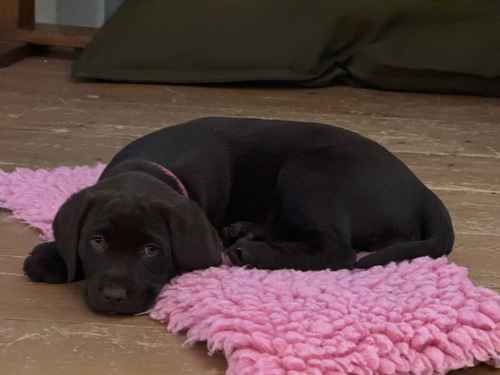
(239, 230)
(246, 252)
(44, 264)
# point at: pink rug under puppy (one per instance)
(420, 317)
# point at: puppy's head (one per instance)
(127, 236)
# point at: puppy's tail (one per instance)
(438, 238)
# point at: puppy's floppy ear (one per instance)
(195, 242)
(66, 226)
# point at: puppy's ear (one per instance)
(66, 226)
(195, 242)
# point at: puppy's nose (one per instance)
(114, 294)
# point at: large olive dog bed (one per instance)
(450, 46)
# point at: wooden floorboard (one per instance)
(58, 348)
(325, 100)
(451, 142)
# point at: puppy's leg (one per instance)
(309, 225)
(306, 255)
(44, 264)
(302, 233)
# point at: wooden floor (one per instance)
(451, 143)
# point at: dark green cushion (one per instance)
(424, 45)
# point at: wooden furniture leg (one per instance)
(24, 37)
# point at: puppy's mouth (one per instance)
(112, 309)
(140, 303)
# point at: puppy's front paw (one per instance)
(44, 264)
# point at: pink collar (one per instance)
(172, 175)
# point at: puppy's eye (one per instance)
(98, 243)
(150, 251)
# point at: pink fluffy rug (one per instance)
(420, 317)
(34, 196)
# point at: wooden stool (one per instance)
(21, 36)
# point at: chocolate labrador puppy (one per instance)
(263, 193)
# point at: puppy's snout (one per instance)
(114, 293)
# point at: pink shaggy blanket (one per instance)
(34, 196)
(419, 317)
